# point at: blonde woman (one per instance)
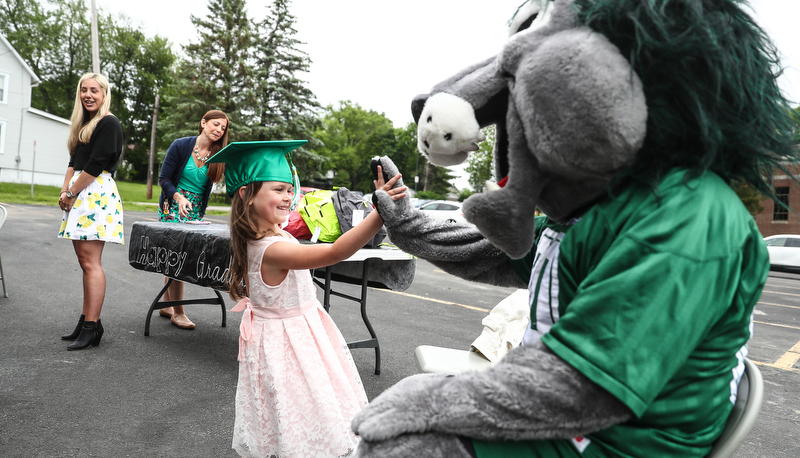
(90, 200)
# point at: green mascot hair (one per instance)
(710, 79)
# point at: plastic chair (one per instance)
(750, 394)
(449, 361)
(743, 416)
(3, 216)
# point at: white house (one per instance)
(33, 143)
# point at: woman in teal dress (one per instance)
(186, 181)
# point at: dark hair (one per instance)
(709, 74)
(243, 229)
(216, 171)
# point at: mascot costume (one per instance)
(626, 122)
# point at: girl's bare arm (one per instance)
(311, 256)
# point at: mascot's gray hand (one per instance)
(455, 247)
(392, 211)
(403, 408)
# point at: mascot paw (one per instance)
(391, 211)
(431, 445)
(448, 130)
(404, 408)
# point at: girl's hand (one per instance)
(397, 193)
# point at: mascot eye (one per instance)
(427, 145)
(531, 15)
(430, 118)
(527, 23)
(448, 137)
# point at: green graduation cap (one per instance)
(247, 162)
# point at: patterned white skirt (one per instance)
(96, 214)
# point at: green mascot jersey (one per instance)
(650, 295)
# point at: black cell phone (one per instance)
(373, 165)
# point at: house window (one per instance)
(4, 88)
(781, 210)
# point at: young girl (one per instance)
(298, 387)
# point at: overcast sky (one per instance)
(381, 54)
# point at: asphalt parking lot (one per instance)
(171, 394)
(775, 348)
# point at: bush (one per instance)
(429, 195)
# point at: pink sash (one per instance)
(267, 313)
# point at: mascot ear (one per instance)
(576, 115)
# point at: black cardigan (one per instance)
(178, 154)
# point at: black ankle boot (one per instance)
(91, 332)
(77, 330)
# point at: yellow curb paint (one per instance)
(788, 360)
(778, 325)
(434, 300)
(779, 305)
(783, 294)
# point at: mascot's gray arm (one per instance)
(459, 249)
(530, 394)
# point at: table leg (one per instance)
(373, 342)
(157, 305)
(153, 307)
(326, 294)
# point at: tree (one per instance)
(795, 115)
(351, 137)
(283, 107)
(480, 166)
(216, 73)
(749, 196)
(138, 67)
(55, 41)
(436, 180)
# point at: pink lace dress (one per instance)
(298, 387)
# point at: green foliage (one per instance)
(138, 66)
(795, 116)
(55, 40)
(430, 195)
(351, 137)
(406, 157)
(137, 192)
(436, 179)
(250, 71)
(750, 196)
(464, 194)
(480, 164)
(19, 193)
(284, 108)
(216, 74)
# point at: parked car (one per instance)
(444, 210)
(784, 251)
(416, 203)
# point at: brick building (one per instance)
(775, 219)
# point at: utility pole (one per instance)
(95, 41)
(152, 151)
